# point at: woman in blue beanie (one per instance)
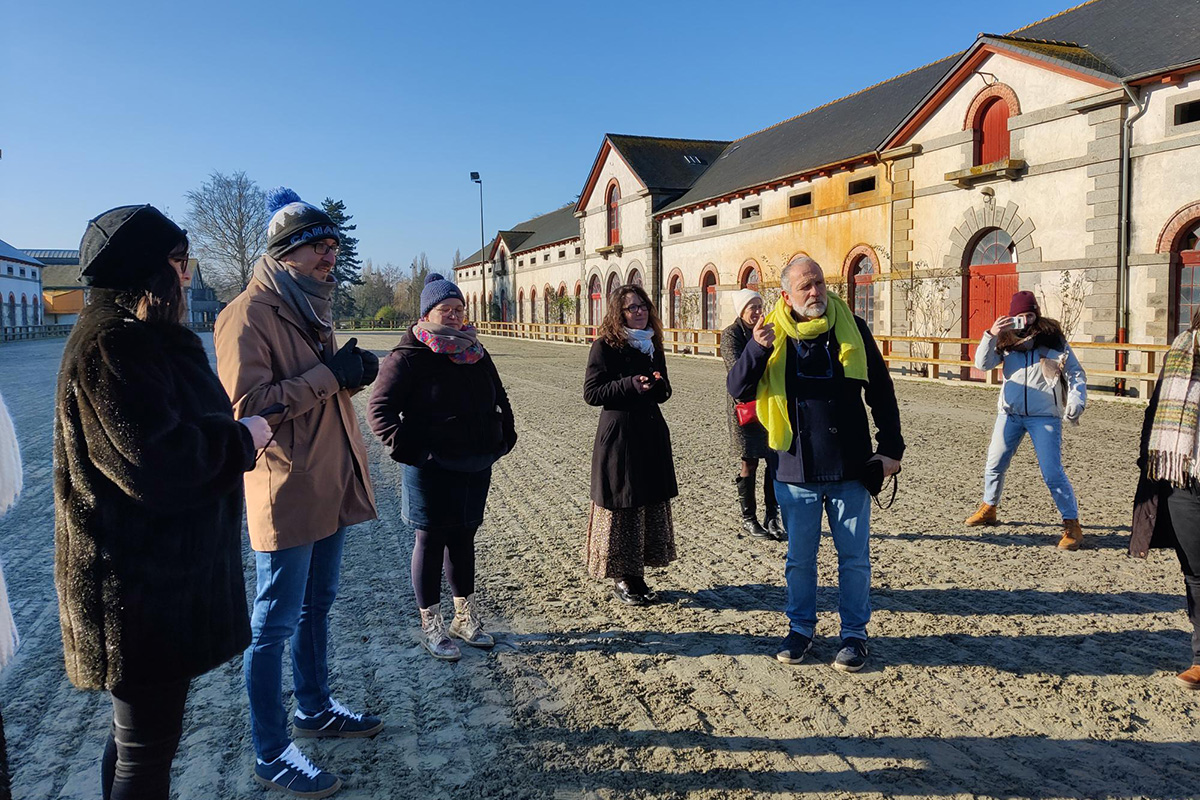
(440, 409)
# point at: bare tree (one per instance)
(1074, 288)
(227, 224)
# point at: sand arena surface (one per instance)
(1000, 666)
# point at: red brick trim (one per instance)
(1001, 90)
(1179, 221)
(853, 256)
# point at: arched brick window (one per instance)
(749, 278)
(12, 309)
(521, 306)
(861, 270)
(562, 313)
(24, 310)
(708, 295)
(548, 302)
(596, 307)
(1185, 260)
(675, 293)
(988, 117)
(533, 315)
(635, 277)
(611, 201)
(37, 314)
(614, 280)
(578, 302)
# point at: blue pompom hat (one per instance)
(295, 222)
(436, 290)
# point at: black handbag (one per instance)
(873, 479)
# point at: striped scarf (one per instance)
(460, 345)
(1174, 446)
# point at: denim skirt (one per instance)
(437, 499)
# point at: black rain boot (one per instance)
(774, 518)
(745, 487)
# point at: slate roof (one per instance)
(49, 257)
(557, 226)
(10, 253)
(1112, 38)
(830, 133)
(62, 276)
(663, 164)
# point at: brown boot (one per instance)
(986, 515)
(1072, 535)
(1189, 679)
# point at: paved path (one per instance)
(1001, 667)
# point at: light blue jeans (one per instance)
(1046, 435)
(848, 506)
(296, 589)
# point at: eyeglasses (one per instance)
(636, 308)
(450, 311)
(320, 248)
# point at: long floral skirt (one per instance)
(623, 542)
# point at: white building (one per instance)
(20, 288)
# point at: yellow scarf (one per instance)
(772, 405)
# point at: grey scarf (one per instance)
(309, 297)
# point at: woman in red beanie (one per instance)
(1043, 382)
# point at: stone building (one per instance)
(20, 288)
(1060, 158)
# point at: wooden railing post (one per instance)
(936, 354)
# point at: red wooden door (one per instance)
(993, 133)
(989, 290)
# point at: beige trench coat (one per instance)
(313, 478)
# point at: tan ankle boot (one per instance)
(434, 637)
(986, 515)
(1072, 535)
(467, 624)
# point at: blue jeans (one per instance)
(1046, 435)
(848, 506)
(296, 588)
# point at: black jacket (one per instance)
(831, 437)
(631, 456)
(425, 407)
(148, 464)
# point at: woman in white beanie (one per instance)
(749, 441)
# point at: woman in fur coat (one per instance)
(148, 464)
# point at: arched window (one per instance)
(862, 294)
(12, 309)
(24, 310)
(562, 312)
(596, 306)
(991, 132)
(676, 293)
(521, 306)
(635, 277)
(548, 302)
(533, 315)
(578, 302)
(1186, 258)
(994, 247)
(708, 292)
(37, 318)
(614, 280)
(749, 278)
(614, 216)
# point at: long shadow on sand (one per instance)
(1135, 652)
(1095, 537)
(1004, 766)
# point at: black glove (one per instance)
(347, 366)
(370, 363)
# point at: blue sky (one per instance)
(389, 106)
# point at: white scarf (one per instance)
(642, 340)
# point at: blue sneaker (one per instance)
(794, 648)
(337, 720)
(294, 774)
(852, 657)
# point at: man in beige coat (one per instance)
(277, 357)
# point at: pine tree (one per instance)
(347, 271)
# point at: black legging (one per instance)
(434, 551)
(1184, 506)
(147, 726)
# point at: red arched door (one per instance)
(991, 282)
(991, 135)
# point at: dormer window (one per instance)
(991, 132)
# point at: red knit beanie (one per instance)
(1022, 303)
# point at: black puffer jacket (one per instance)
(425, 407)
(148, 464)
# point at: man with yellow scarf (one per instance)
(809, 366)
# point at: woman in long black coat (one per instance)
(749, 442)
(633, 474)
(148, 464)
(1166, 509)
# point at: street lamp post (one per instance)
(487, 306)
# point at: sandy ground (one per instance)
(1001, 667)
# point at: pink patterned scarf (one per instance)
(460, 346)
